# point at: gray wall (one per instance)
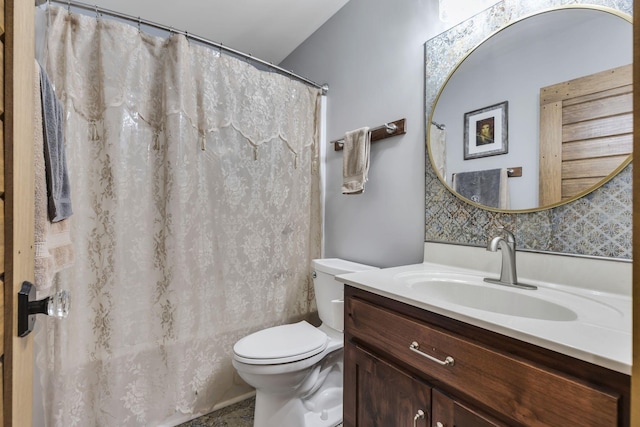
(371, 53)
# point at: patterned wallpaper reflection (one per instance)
(598, 224)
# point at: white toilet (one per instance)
(296, 369)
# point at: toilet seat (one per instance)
(281, 344)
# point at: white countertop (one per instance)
(600, 333)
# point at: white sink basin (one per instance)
(472, 292)
(586, 322)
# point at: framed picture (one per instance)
(485, 132)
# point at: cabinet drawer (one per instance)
(525, 392)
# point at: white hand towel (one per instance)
(355, 160)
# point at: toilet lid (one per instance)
(281, 344)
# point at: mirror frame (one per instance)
(431, 110)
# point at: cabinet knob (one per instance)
(439, 424)
(418, 416)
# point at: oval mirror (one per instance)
(539, 113)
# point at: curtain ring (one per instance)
(69, 7)
(97, 13)
(139, 24)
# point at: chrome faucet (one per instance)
(506, 242)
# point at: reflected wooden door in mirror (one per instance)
(586, 133)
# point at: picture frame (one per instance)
(486, 131)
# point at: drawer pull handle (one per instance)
(448, 361)
(419, 416)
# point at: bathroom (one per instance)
(373, 60)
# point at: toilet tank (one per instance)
(329, 292)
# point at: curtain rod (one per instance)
(140, 21)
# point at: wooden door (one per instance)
(586, 132)
(18, 197)
(378, 394)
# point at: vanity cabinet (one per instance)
(400, 359)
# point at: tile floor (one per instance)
(237, 415)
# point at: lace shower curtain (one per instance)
(196, 214)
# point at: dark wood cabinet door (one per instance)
(378, 394)
(447, 412)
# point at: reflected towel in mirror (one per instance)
(487, 187)
(438, 148)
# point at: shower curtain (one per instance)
(195, 192)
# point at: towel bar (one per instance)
(514, 172)
(440, 126)
(397, 127)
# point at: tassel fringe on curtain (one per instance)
(195, 187)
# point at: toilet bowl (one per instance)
(296, 369)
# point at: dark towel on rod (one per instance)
(58, 190)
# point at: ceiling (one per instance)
(267, 29)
